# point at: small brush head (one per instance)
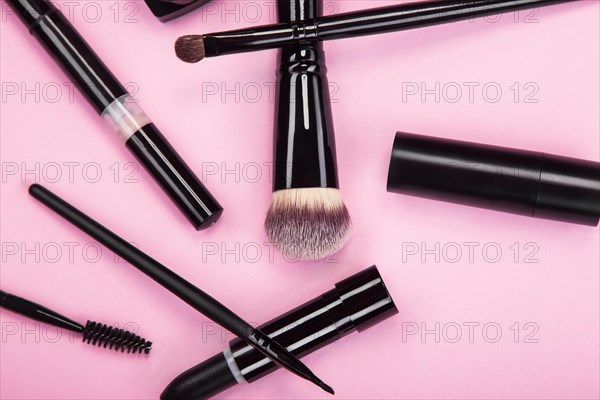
(308, 223)
(190, 48)
(102, 335)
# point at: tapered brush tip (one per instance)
(326, 387)
(308, 223)
(102, 335)
(190, 48)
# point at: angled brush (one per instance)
(180, 287)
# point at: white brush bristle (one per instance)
(308, 223)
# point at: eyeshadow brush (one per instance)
(183, 289)
(193, 48)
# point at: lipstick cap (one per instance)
(355, 303)
(497, 178)
(166, 10)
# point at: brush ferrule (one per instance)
(305, 32)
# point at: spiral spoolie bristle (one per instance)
(102, 335)
(190, 48)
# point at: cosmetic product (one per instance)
(181, 288)
(498, 178)
(308, 219)
(94, 333)
(193, 48)
(166, 10)
(355, 304)
(116, 106)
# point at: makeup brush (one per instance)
(307, 219)
(193, 48)
(94, 333)
(119, 109)
(181, 288)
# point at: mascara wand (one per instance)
(94, 333)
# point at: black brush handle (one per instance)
(181, 288)
(38, 312)
(360, 23)
(71, 52)
(304, 144)
(418, 15)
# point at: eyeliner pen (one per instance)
(193, 48)
(119, 109)
(183, 289)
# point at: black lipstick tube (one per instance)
(110, 99)
(360, 23)
(516, 181)
(355, 304)
(304, 139)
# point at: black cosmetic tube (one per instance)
(304, 145)
(355, 304)
(520, 182)
(110, 99)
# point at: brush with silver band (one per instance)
(308, 219)
(112, 101)
(355, 304)
(193, 48)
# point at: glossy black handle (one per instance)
(71, 52)
(385, 19)
(176, 178)
(38, 312)
(304, 146)
(177, 285)
(418, 15)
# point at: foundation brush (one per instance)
(94, 333)
(193, 48)
(308, 219)
(192, 295)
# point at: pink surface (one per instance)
(516, 317)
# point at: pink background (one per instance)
(535, 280)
